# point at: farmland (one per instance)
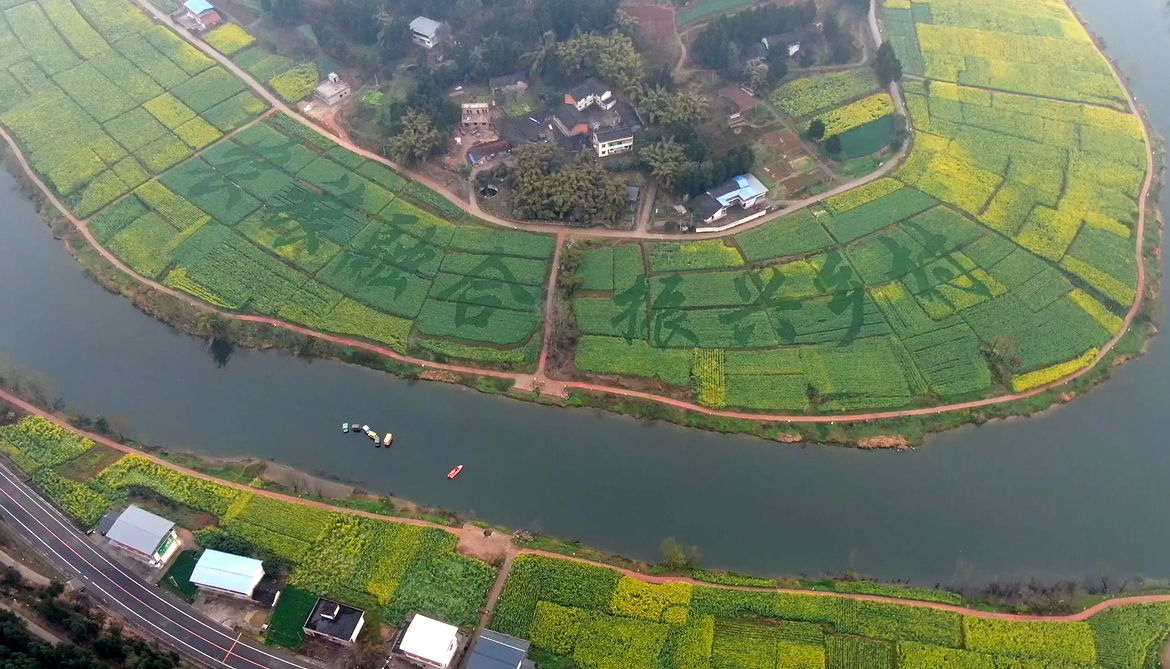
(383, 566)
(275, 220)
(999, 258)
(585, 612)
(100, 99)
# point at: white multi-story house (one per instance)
(425, 32)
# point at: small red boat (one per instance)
(454, 472)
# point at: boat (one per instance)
(374, 436)
(454, 472)
(345, 427)
(366, 429)
(389, 438)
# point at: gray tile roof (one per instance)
(497, 651)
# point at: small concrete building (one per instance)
(492, 650)
(428, 643)
(476, 115)
(146, 536)
(425, 32)
(227, 574)
(333, 90)
(335, 622)
(202, 13)
(613, 141)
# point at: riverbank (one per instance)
(571, 608)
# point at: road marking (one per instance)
(229, 653)
(54, 516)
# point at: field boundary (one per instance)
(515, 551)
(528, 381)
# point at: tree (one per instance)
(675, 556)
(887, 65)
(611, 57)
(417, 140)
(549, 184)
(757, 78)
(816, 129)
(777, 63)
(660, 106)
(833, 145)
(664, 158)
(285, 12)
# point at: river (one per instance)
(1078, 490)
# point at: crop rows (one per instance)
(83, 103)
(856, 114)
(579, 610)
(810, 95)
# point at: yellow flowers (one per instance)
(709, 377)
(857, 114)
(1110, 321)
(197, 133)
(1047, 375)
(169, 111)
(297, 83)
(807, 96)
(635, 598)
(229, 39)
(1049, 232)
(863, 195)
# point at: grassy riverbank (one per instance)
(581, 614)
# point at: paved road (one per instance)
(141, 605)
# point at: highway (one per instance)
(143, 607)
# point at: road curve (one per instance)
(142, 606)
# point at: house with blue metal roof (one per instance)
(227, 574)
(202, 13)
(731, 203)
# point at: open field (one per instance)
(1000, 257)
(600, 618)
(100, 99)
(388, 567)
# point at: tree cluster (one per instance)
(662, 107)
(887, 65)
(549, 184)
(419, 126)
(682, 163)
(611, 57)
(719, 45)
(92, 648)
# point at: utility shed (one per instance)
(145, 535)
(228, 574)
(493, 650)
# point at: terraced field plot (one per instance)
(100, 99)
(1000, 257)
(290, 80)
(600, 619)
(271, 223)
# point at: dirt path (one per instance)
(526, 381)
(513, 551)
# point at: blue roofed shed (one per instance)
(198, 7)
(228, 574)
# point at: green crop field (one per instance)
(1000, 257)
(382, 566)
(586, 612)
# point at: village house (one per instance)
(425, 32)
(476, 115)
(144, 535)
(227, 574)
(591, 92)
(428, 643)
(509, 83)
(729, 204)
(201, 13)
(335, 622)
(333, 90)
(481, 153)
(613, 141)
